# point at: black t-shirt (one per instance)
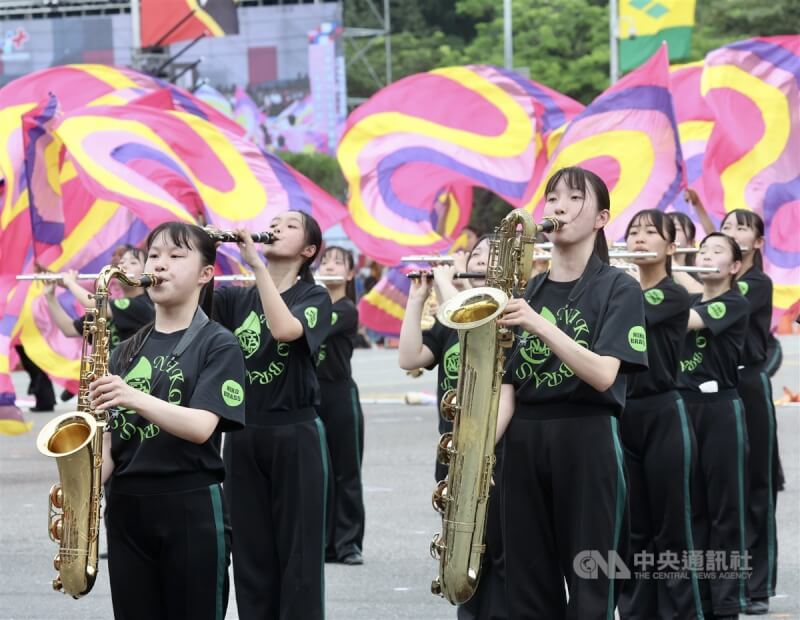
(666, 312)
(756, 287)
(443, 343)
(208, 375)
(333, 361)
(129, 315)
(603, 312)
(714, 352)
(281, 376)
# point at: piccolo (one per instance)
(249, 277)
(611, 255)
(680, 268)
(414, 275)
(428, 258)
(50, 277)
(231, 236)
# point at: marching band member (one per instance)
(581, 326)
(708, 378)
(173, 388)
(277, 466)
(340, 411)
(439, 346)
(755, 390)
(659, 442)
(129, 312)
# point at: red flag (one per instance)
(170, 21)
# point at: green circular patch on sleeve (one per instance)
(311, 316)
(716, 310)
(743, 287)
(123, 303)
(334, 318)
(232, 393)
(637, 338)
(654, 296)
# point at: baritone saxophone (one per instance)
(75, 440)
(463, 497)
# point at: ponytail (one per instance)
(601, 247)
(313, 236)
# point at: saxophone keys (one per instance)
(437, 546)
(440, 497)
(56, 496)
(436, 587)
(56, 528)
(57, 562)
(57, 585)
(449, 406)
(444, 451)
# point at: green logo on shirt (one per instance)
(743, 287)
(249, 334)
(697, 357)
(535, 352)
(232, 393)
(141, 374)
(637, 338)
(654, 296)
(334, 318)
(311, 316)
(450, 364)
(123, 303)
(139, 378)
(716, 310)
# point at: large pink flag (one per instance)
(753, 155)
(629, 137)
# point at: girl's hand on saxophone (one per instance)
(518, 313)
(111, 391)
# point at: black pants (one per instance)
(340, 410)
(168, 554)
(276, 484)
(759, 413)
(660, 455)
(721, 491)
(564, 507)
(40, 387)
(489, 600)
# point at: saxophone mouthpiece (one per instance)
(550, 224)
(147, 280)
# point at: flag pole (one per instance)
(508, 41)
(613, 31)
(136, 28)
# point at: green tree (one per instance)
(321, 169)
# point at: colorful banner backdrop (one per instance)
(695, 122)
(249, 116)
(406, 148)
(628, 136)
(64, 178)
(383, 307)
(645, 24)
(170, 21)
(753, 155)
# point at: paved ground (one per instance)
(398, 476)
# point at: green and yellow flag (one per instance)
(644, 24)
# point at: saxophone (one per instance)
(462, 498)
(75, 440)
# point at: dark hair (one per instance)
(347, 256)
(664, 225)
(736, 251)
(577, 179)
(184, 236)
(689, 230)
(313, 236)
(745, 217)
(138, 253)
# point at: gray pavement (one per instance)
(398, 477)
